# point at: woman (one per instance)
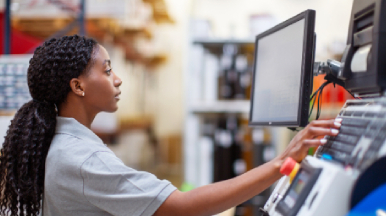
(51, 154)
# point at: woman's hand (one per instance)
(306, 138)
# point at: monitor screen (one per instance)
(282, 76)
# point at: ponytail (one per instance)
(22, 160)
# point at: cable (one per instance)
(312, 107)
(330, 77)
(322, 86)
(317, 96)
(320, 99)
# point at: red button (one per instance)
(288, 165)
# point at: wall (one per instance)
(231, 17)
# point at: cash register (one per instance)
(324, 183)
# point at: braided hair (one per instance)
(24, 152)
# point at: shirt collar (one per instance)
(72, 127)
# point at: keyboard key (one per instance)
(351, 130)
(356, 122)
(339, 156)
(370, 114)
(326, 157)
(371, 133)
(342, 147)
(347, 138)
(370, 154)
(383, 128)
(376, 144)
(377, 124)
(329, 143)
(381, 136)
(358, 113)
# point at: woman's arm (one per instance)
(217, 197)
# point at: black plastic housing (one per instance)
(367, 27)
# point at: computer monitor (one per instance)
(282, 73)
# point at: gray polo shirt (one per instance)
(84, 177)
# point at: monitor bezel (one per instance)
(306, 73)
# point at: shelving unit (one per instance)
(220, 106)
(215, 45)
(202, 100)
(198, 104)
(123, 24)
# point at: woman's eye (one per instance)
(108, 71)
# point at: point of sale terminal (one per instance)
(345, 176)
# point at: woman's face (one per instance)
(101, 84)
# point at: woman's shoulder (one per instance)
(70, 150)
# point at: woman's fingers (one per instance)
(332, 123)
(314, 142)
(324, 127)
(319, 131)
(307, 138)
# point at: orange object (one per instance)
(290, 168)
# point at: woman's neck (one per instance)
(74, 108)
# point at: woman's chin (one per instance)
(111, 109)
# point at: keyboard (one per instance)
(361, 138)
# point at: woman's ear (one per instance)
(77, 86)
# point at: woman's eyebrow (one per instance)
(107, 61)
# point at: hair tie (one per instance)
(45, 102)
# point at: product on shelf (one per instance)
(234, 76)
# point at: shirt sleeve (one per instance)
(119, 190)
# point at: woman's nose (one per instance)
(117, 82)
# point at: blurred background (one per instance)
(186, 67)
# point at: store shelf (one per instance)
(215, 46)
(228, 106)
(220, 42)
(133, 32)
(44, 27)
(160, 11)
(131, 54)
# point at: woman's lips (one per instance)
(117, 96)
